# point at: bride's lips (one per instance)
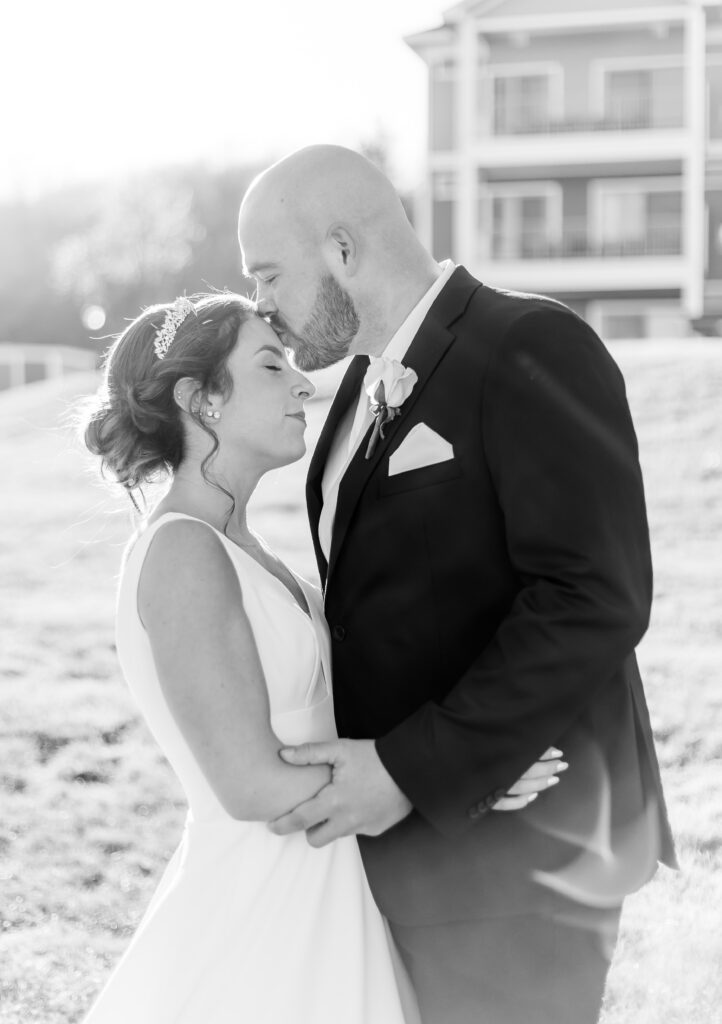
(298, 416)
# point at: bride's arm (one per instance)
(190, 602)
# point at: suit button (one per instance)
(498, 795)
(475, 812)
(338, 632)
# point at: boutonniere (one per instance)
(388, 384)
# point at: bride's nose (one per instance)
(303, 388)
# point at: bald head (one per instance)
(317, 187)
(325, 222)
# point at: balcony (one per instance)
(633, 120)
(576, 243)
(529, 134)
(574, 261)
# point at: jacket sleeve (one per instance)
(562, 453)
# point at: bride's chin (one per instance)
(289, 457)
(298, 454)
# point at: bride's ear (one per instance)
(187, 394)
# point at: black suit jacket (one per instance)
(486, 608)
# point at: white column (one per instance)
(482, 213)
(423, 212)
(54, 366)
(421, 197)
(465, 226)
(694, 231)
(16, 361)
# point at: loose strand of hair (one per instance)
(209, 480)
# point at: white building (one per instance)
(575, 149)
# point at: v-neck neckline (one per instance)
(306, 612)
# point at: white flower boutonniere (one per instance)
(388, 384)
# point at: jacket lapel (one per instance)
(348, 391)
(424, 355)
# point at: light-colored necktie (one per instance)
(363, 419)
(361, 422)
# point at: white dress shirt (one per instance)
(358, 419)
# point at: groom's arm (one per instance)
(561, 448)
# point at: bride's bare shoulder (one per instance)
(186, 557)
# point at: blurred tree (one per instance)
(141, 242)
(30, 309)
(163, 234)
(216, 256)
(377, 150)
(153, 239)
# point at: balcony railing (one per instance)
(538, 245)
(531, 120)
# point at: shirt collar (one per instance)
(400, 343)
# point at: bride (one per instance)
(226, 653)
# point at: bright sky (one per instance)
(94, 88)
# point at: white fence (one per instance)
(24, 363)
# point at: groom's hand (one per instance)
(360, 798)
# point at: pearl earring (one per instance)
(213, 414)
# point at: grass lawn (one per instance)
(91, 813)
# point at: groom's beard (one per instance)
(326, 336)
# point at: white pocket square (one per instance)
(421, 447)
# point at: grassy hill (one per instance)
(90, 812)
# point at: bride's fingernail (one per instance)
(562, 766)
(552, 781)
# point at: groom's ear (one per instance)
(342, 248)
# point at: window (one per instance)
(633, 318)
(623, 325)
(628, 98)
(638, 218)
(444, 188)
(445, 185)
(525, 100)
(651, 97)
(525, 221)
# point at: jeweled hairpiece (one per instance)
(174, 317)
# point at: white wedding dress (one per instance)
(247, 927)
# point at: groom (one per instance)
(478, 516)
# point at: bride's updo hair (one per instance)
(134, 423)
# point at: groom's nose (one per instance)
(265, 306)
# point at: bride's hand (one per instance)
(535, 780)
